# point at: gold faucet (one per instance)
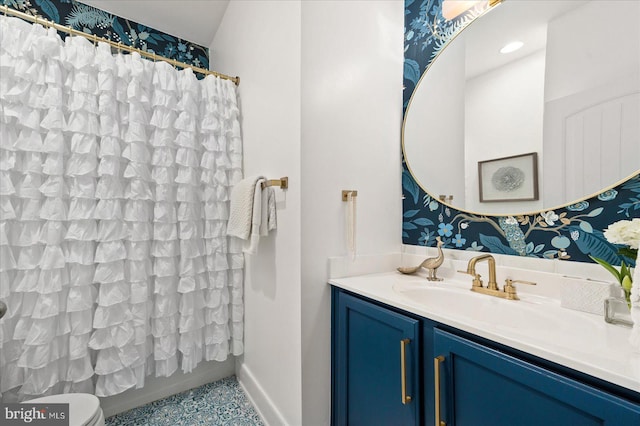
(471, 270)
(509, 291)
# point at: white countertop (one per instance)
(578, 340)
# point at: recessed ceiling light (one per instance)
(512, 47)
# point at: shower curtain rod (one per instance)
(6, 10)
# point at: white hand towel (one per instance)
(241, 208)
(264, 216)
(273, 217)
(635, 306)
(269, 220)
(251, 246)
(252, 212)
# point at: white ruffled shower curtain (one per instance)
(115, 176)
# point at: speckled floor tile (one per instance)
(220, 403)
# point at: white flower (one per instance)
(464, 225)
(625, 232)
(550, 217)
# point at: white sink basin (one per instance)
(530, 315)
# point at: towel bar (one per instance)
(345, 194)
(283, 183)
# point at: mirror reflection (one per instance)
(566, 89)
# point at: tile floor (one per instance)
(220, 403)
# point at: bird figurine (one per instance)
(431, 263)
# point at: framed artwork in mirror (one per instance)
(513, 178)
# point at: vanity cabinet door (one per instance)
(480, 386)
(375, 366)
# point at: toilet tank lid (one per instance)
(83, 407)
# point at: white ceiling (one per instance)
(522, 20)
(192, 20)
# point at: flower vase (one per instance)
(616, 311)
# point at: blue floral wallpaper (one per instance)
(571, 233)
(90, 20)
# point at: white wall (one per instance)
(352, 63)
(346, 87)
(260, 42)
(591, 46)
(501, 103)
(591, 95)
(591, 140)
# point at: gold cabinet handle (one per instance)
(436, 379)
(403, 370)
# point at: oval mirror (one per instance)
(549, 123)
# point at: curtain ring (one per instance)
(95, 40)
(5, 9)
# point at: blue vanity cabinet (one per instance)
(479, 382)
(375, 364)
(481, 386)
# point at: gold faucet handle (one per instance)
(510, 289)
(477, 281)
(510, 282)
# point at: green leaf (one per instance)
(606, 265)
(628, 252)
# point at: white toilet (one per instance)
(84, 408)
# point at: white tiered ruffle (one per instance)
(115, 175)
(42, 351)
(221, 166)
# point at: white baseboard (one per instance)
(265, 407)
(156, 388)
